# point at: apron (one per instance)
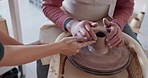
(93, 10)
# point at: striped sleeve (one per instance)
(123, 11)
(52, 10)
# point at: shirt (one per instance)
(52, 10)
(1, 51)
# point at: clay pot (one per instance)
(137, 68)
(98, 59)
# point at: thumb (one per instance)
(106, 22)
(93, 24)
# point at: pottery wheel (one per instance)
(113, 61)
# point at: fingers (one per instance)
(84, 32)
(76, 39)
(106, 23)
(91, 32)
(115, 40)
(81, 39)
(93, 24)
(74, 44)
(80, 45)
(84, 44)
(84, 29)
(115, 43)
(120, 44)
(88, 32)
(113, 32)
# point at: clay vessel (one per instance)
(98, 59)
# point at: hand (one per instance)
(72, 45)
(115, 37)
(82, 29)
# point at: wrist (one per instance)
(60, 45)
(56, 47)
(117, 24)
(66, 22)
(71, 24)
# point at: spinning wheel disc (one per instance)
(99, 60)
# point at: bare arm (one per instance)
(21, 54)
(52, 10)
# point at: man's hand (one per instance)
(115, 37)
(82, 29)
(72, 45)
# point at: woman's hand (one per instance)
(82, 29)
(72, 45)
(115, 37)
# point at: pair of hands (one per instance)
(84, 35)
(84, 29)
(115, 37)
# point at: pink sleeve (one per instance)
(123, 11)
(52, 10)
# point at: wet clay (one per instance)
(98, 59)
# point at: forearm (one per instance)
(52, 10)
(7, 40)
(123, 11)
(17, 55)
